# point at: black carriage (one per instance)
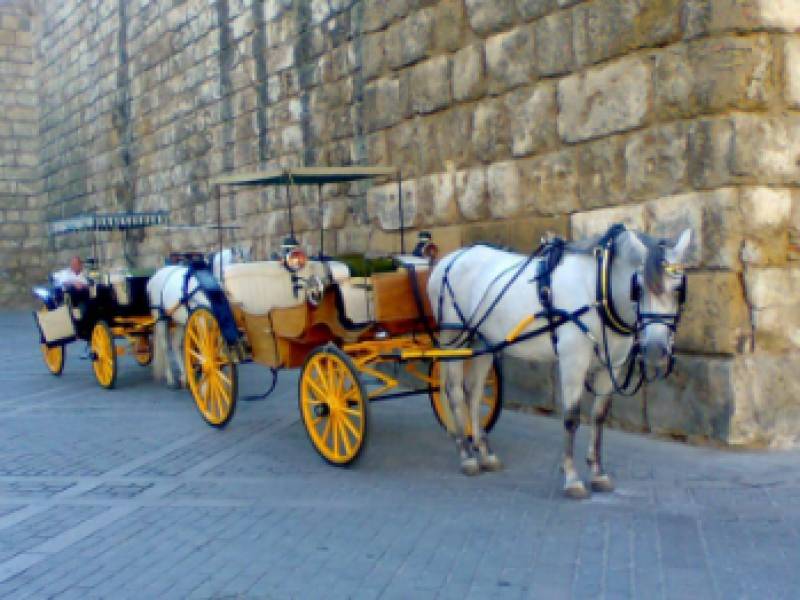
(113, 306)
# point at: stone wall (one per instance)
(508, 118)
(20, 217)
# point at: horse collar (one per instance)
(605, 257)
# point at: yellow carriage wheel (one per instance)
(104, 355)
(210, 372)
(333, 405)
(491, 404)
(142, 351)
(54, 358)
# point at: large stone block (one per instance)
(766, 411)
(766, 225)
(766, 148)
(469, 73)
(698, 399)
(597, 222)
(550, 182)
(491, 133)
(454, 135)
(732, 72)
(448, 27)
(601, 172)
(409, 40)
(430, 81)
(709, 148)
(382, 103)
(526, 234)
(533, 9)
(532, 114)
(373, 54)
(505, 191)
(716, 319)
(674, 82)
(382, 203)
(511, 58)
(553, 40)
(436, 199)
(744, 15)
(608, 28)
(472, 193)
(655, 161)
(603, 100)
(486, 16)
(791, 62)
(774, 298)
(714, 218)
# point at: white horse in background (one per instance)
(165, 293)
(465, 285)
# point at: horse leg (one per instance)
(571, 390)
(177, 352)
(454, 392)
(600, 481)
(475, 383)
(160, 356)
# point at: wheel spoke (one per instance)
(326, 430)
(348, 424)
(320, 375)
(345, 438)
(353, 412)
(318, 391)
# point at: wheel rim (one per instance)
(103, 355)
(209, 371)
(488, 401)
(333, 407)
(53, 357)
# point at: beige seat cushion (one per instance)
(358, 299)
(261, 286)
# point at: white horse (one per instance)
(165, 293)
(643, 281)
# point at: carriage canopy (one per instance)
(305, 176)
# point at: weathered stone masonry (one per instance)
(509, 118)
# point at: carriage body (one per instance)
(357, 327)
(113, 307)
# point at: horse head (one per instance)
(657, 293)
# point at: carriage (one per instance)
(359, 327)
(114, 307)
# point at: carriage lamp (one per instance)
(295, 259)
(425, 248)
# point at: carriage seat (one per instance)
(261, 286)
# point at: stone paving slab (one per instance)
(128, 494)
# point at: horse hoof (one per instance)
(491, 463)
(602, 483)
(470, 466)
(576, 490)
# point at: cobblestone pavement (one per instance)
(128, 494)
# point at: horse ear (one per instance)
(677, 253)
(637, 248)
